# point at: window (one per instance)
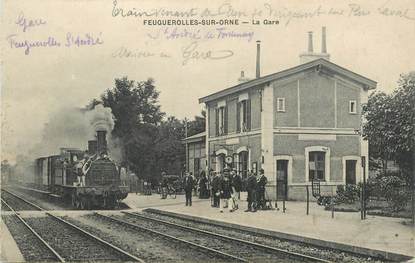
(221, 120)
(244, 116)
(281, 104)
(316, 165)
(352, 106)
(243, 119)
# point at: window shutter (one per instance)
(225, 120)
(238, 117)
(248, 115)
(217, 122)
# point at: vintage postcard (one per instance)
(228, 131)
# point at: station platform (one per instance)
(138, 201)
(9, 251)
(376, 233)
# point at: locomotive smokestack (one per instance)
(92, 147)
(101, 141)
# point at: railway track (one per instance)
(18, 203)
(31, 244)
(234, 249)
(51, 238)
(329, 254)
(216, 255)
(4, 206)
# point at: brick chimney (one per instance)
(258, 59)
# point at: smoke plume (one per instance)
(72, 128)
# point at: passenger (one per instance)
(164, 185)
(195, 185)
(203, 190)
(262, 181)
(216, 190)
(226, 191)
(235, 190)
(237, 184)
(188, 186)
(251, 188)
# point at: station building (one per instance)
(297, 124)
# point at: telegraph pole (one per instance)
(413, 176)
(187, 152)
(412, 187)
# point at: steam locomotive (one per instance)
(103, 187)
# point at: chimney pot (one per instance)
(310, 41)
(323, 40)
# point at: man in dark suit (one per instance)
(188, 187)
(216, 190)
(262, 181)
(251, 188)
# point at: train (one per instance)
(103, 186)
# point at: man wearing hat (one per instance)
(216, 180)
(236, 184)
(226, 191)
(164, 185)
(188, 187)
(262, 181)
(251, 188)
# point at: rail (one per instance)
(135, 226)
(84, 232)
(59, 258)
(257, 245)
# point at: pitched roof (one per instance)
(368, 83)
(196, 137)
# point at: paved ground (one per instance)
(144, 201)
(9, 251)
(388, 234)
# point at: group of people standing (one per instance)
(255, 186)
(225, 188)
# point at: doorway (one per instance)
(282, 175)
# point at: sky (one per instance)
(372, 38)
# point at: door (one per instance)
(351, 171)
(282, 174)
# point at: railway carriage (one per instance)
(103, 187)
